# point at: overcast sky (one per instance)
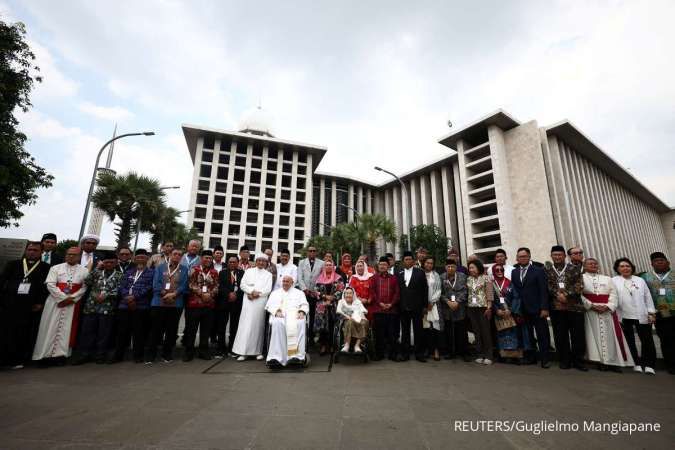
(375, 82)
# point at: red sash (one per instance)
(74, 287)
(603, 299)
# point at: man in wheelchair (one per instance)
(288, 309)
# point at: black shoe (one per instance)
(467, 358)
(139, 360)
(421, 359)
(205, 356)
(114, 360)
(529, 362)
(616, 369)
(565, 366)
(377, 358)
(602, 368)
(80, 360)
(274, 364)
(188, 356)
(448, 356)
(581, 367)
(392, 358)
(546, 365)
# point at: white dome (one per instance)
(256, 121)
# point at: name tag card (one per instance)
(501, 300)
(24, 288)
(452, 298)
(561, 285)
(167, 286)
(662, 291)
(474, 300)
(204, 289)
(235, 289)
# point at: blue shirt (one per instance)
(179, 282)
(141, 288)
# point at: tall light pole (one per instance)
(93, 176)
(137, 207)
(405, 200)
(356, 219)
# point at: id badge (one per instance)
(205, 289)
(24, 288)
(501, 300)
(235, 289)
(662, 291)
(474, 300)
(561, 285)
(452, 298)
(167, 286)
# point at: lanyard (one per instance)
(137, 276)
(454, 281)
(190, 261)
(560, 274)
(501, 288)
(27, 272)
(105, 280)
(628, 284)
(204, 273)
(172, 273)
(662, 278)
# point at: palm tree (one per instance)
(374, 227)
(116, 195)
(164, 226)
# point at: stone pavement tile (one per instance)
(358, 433)
(34, 444)
(310, 403)
(298, 432)
(443, 436)
(427, 410)
(371, 407)
(264, 403)
(210, 430)
(322, 383)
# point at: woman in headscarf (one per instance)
(512, 337)
(346, 270)
(355, 325)
(330, 286)
(360, 281)
(432, 319)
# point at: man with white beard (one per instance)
(257, 285)
(288, 308)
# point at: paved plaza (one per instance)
(349, 405)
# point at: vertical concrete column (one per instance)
(461, 193)
(507, 224)
(309, 195)
(333, 205)
(195, 181)
(229, 189)
(322, 205)
(350, 202)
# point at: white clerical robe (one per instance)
(55, 335)
(289, 269)
(250, 334)
(287, 338)
(605, 342)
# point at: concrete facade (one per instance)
(503, 184)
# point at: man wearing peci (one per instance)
(414, 293)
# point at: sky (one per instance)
(376, 82)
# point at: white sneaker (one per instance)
(259, 358)
(637, 369)
(345, 348)
(17, 367)
(241, 358)
(357, 349)
(487, 362)
(479, 360)
(649, 371)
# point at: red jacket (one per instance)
(198, 281)
(383, 289)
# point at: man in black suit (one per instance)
(228, 304)
(414, 297)
(49, 254)
(530, 283)
(22, 295)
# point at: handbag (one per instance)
(504, 323)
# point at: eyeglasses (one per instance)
(577, 253)
(498, 270)
(311, 250)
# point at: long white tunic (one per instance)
(56, 323)
(634, 299)
(288, 332)
(250, 334)
(603, 338)
(289, 269)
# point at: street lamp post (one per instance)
(356, 218)
(93, 176)
(405, 193)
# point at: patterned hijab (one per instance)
(324, 278)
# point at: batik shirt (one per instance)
(573, 282)
(101, 282)
(662, 289)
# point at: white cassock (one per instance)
(289, 269)
(287, 338)
(250, 334)
(605, 342)
(56, 332)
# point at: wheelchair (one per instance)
(338, 342)
(293, 363)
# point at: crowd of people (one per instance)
(101, 306)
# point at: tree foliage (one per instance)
(116, 195)
(20, 175)
(430, 237)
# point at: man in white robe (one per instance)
(89, 259)
(288, 307)
(257, 285)
(58, 323)
(605, 343)
(285, 267)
